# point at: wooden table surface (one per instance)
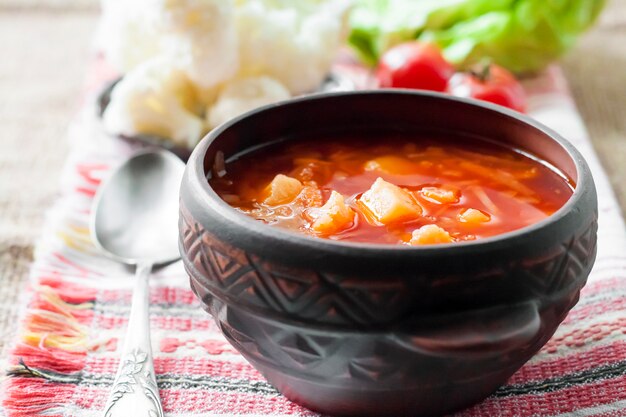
(45, 46)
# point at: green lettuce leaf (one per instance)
(521, 35)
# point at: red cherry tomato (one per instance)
(492, 83)
(414, 65)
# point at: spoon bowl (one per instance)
(132, 221)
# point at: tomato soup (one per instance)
(392, 188)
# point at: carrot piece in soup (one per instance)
(333, 216)
(389, 203)
(440, 195)
(430, 234)
(282, 190)
(391, 165)
(473, 217)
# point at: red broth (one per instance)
(394, 189)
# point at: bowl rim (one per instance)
(209, 198)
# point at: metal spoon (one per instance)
(134, 221)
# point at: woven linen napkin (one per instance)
(65, 355)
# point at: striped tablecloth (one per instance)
(75, 311)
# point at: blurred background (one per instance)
(47, 46)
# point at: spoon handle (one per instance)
(135, 392)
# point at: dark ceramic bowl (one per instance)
(364, 329)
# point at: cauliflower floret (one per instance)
(156, 99)
(292, 41)
(241, 95)
(201, 38)
(128, 34)
(198, 36)
(228, 55)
